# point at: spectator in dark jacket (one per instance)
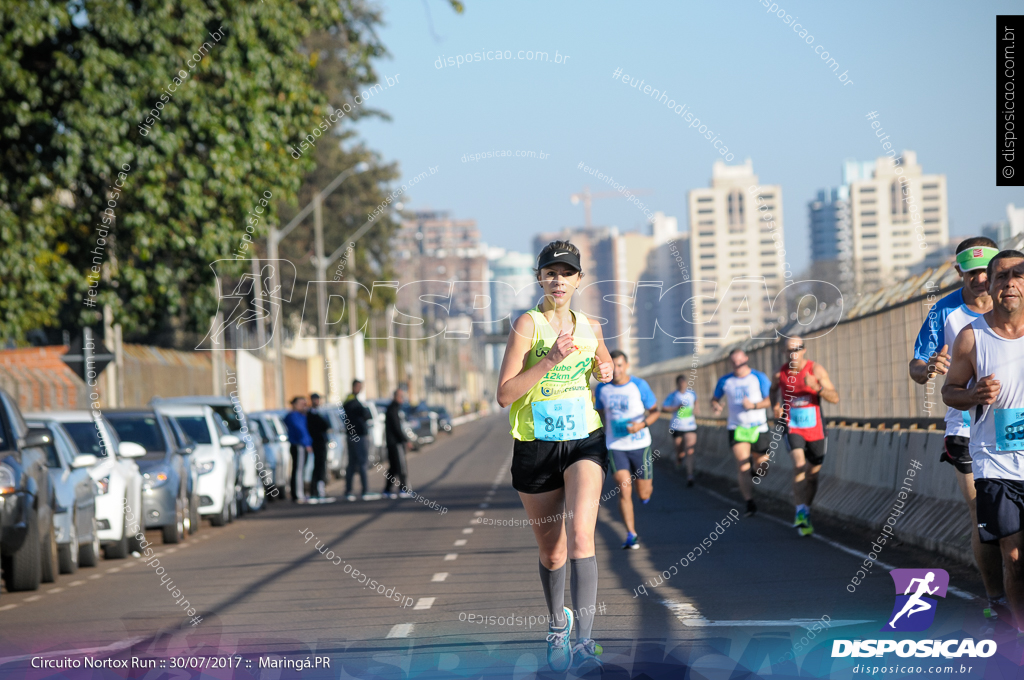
(300, 441)
(396, 441)
(356, 415)
(318, 427)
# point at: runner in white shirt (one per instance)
(683, 428)
(986, 377)
(628, 407)
(747, 394)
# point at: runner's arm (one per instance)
(513, 381)
(828, 391)
(604, 358)
(776, 386)
(955, 392)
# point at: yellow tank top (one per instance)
(569, 380)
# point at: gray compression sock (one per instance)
(553, 581)
(583, 586)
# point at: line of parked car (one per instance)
(67, 477)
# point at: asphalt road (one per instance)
(264, 592)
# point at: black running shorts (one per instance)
(760, 446)
(1000, 506)
(957, 453)
(539, 466)
(814, 451)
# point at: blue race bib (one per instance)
(620, 428)
(967, 418)
(560, 420)
(1009, 429)
(804, 417)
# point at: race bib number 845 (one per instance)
(559, 420)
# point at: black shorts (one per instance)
(539, 466)
(760, 446)
(957, 453)
(679, 433)
(814, 451)
(1000, 506)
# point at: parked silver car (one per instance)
(73, 500)
(275, 443)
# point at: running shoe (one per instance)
(584, 655)
(405, 494)
(371, 496)
(351, 497)
(801, 521)
(632, 542)
(751, 509)
(807, 529)
(559, 649)
(646, 500)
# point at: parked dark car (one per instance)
(27, 539)
(444, 419)
(165, 470)
(72, 499)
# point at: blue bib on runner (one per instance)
(620, 428)
(1009, 429)
(559, 420)
(967, 418)
(803, 417)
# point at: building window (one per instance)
(705, 212)
(867, 190)
(707, 233)
(929, 186)
(708, 257)
(735, 205)
(869, 224)
(931, 209)
(706, 223)
(708, 269)
(930, 220)
(704, 199)
(868, 234)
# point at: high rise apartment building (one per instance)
(734, 255)
(884, 219)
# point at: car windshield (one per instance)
(86, 437)
(230, 416)
(195, 427)
(144, 431)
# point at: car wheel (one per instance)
(22, 568)
(119, 550)
(225, 514)
(67, 554)
(233, 511)
(256, 498)
(175, 533)
(193, 511)
(49, 562)
(89, 553)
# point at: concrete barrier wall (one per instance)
(863, 472)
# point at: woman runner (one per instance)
(559, 456)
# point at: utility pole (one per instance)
(273, 238)
(321, 292)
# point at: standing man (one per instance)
(318, 427)
(746, 392)
(986, 377)
(396, 441)
(300, 443)
(356, 416)
(932, 350)
(803, 385)
(628, 407)
(683, 427)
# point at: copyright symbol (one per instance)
(1007, 171)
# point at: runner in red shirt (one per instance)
(803, 385)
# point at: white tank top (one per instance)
(997, 430)
(958, 423)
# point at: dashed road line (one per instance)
(439, 576)
(424, 603)
(96, 576)
(51, 591)
(451, 556)
(76, 583)
(7, 606)
(33, 598)
(478, 513)
(467, 530)
(400, 630)
(460, 542)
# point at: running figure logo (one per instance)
(914, 611)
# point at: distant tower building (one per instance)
(885, 219)
(733, 255)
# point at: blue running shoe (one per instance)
(559, 649)
(585, 653)
(632, 542)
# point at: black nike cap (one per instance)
(559, 256)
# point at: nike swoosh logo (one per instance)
(557, 254)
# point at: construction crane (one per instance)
(586, 197)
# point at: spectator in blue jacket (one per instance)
(301, 442)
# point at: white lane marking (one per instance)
(400, 630)
(424, 603)
(461, 541)
(170, 550)
(132, 564)
(76, 583)
(467, 530)
(451, 556)
(33, 598)
(439, 576)
(963, 594)
(114, 570)
(478, 513)
(7, 606)
(51, 591)
(96, 576)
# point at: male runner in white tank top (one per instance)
(986, 377)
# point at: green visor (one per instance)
(975, 257)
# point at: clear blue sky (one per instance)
(927, 68)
